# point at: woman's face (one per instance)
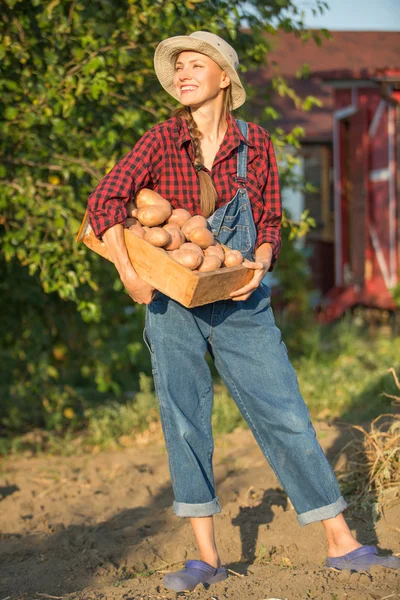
(198, 78)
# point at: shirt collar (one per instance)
(232, 138)
(234, 135)
(183, 132)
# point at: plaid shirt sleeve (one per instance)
(107, 204)
(269, 226)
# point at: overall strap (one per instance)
(241, 176)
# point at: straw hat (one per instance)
(200, 41)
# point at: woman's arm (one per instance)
(114, 241)
(107, 203)
(107, 209)
(264, 253)
(269, 225)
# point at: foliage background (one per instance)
(77, 91)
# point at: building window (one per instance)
(318, 173)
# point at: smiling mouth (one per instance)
(188, 89)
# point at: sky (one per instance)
(367, 15)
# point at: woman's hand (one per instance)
(140, 291)
(260, 267)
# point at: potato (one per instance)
(187, 258)
(131, 209)
(131, 221)
(196, 221)
(137, 230)
(192, 247)
(210, 263)
(201, 236)
(233, 258)
(179, 216)
(177, 237)
(215, 250)
(157, 236)
(147, 197)
(153, 215)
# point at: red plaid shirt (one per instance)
(163, 160)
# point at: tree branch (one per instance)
(71, 12)
(32, 163)
(76, 68)
(118, 96)
(20, 30)
(78, 161)
(15, 185)
(44, 184)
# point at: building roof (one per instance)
(348, 55)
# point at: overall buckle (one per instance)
(241, 181)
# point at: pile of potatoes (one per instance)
(184, 238)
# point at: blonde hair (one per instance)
(208, 193)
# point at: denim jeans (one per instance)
(249, 354)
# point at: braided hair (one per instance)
(208, 193)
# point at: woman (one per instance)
(203, 160)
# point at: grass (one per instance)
(345, 376)
(372, 471)
(342, 373)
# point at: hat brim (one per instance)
(164, 64)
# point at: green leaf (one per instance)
(11, 113)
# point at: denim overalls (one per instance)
(233, 223)
(252, 360)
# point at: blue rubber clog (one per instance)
(194, 572)
(362, 559)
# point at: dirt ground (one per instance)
(101, 526)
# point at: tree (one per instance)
(77, 91)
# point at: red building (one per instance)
(351, 153)
(366, 143)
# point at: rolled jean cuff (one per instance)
(205, 509)
(324, 512)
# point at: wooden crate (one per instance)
(155, 267)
